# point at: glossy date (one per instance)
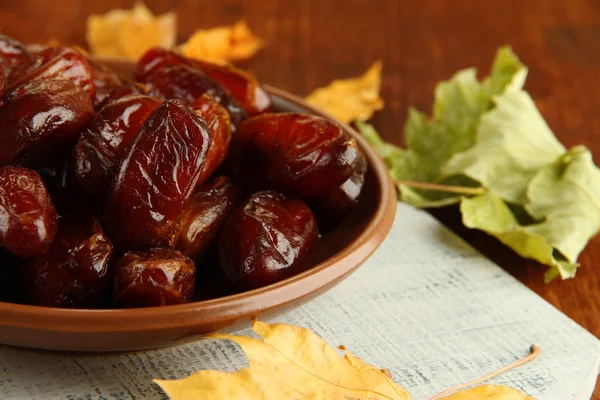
(40, 119)
(169, 76)
(105, 81)
(243, 87)
(157, 178)
(28, 219)
(332, 208)
(74, 273)
(13, 53)
(266, 239)
(159, 277)
(106, 141)
(218, 123)
(56, 63)
(208, 208)
(300, 154)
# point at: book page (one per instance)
(426, 306)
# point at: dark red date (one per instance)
(218, 122)
(266, 239)
(107, 140)
(125, 90)
(57, 63)
(28, 218)
(105, 81)
(206, 211)
(40, 119)
(300, 154)
(170, 76)
(157, 178)
(243, 87)
(157, 58)
(159, 277)
(332, 208)
(74, 273)
(13, 53)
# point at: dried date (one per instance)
(157, 178)
(332, 208)
(74, 273)
(13, 54)
(206, 211)
(56, 63)
(300, 154)
(169, 76)
(39, 120)
(107, 140)
(28, 218)
(106, 82)
(159, 277)
(267, 239)
(243, 87)
(220, 130)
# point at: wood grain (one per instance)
(311, 42)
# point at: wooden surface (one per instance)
(309, 43)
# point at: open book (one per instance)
(426, 306)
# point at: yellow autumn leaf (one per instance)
(129, 33)
(290, 361)
(221, 44)
(351, 99)
(489, 392)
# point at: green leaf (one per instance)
(491, 214)
(564, 196)
(458, 107)
(513, 142)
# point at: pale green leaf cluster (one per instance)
(536, 197)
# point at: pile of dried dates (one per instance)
(118, 192)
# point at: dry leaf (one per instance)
(489, 392)
(221, 44)
(289, 361)
(129, 33)
(351, 99)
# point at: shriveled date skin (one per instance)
(168, 76)
(107, 140)
(266, 239)
(57, 63)
(40, 119)
(332, 208)
(28, 219)
(159, 277)
(157, 178)
(206, 211)
(219, 125)
(300, 154)
(74, 273)
(244, 88)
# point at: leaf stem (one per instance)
(534, 352)
(442, 188)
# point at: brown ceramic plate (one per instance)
(338, 254)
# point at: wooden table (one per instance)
(311, 42)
